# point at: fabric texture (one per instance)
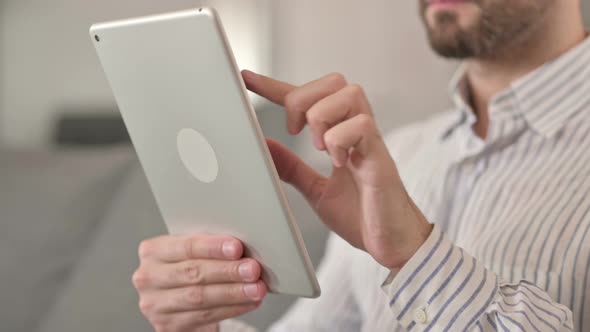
(510, 249)
(39, 246)
(99, 295)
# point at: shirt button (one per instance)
(420, 316)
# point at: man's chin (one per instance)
(450, 36)
(452, 44)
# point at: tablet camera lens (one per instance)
(97, 38)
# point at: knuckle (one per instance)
(146, 307)
(236, 292)
(195, 296)
(140, 279)
(330, 139)
(336, 78)
(146, 248)
(205, 315)
(189, 247)
(293, 102)
(162, 327)
(192, 273)
(366, 122)
(161, 323)
(313, 118)
(233, 271)
(356, 91)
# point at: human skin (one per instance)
(189, 283)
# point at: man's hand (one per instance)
(191, 283)
(364, 200)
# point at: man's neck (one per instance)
(488, 77)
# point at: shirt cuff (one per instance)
(232, 325)
(440, 287)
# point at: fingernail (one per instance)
(246, 271)
(248, 75)
(336, 162)
(317, 142)
(291, 129)
(251, 291)
(229, 249)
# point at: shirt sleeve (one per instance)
(337, 308)
(443, 288)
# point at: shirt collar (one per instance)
(546, 97)
(459, 93)
(553, 93)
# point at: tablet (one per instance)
(187, 111)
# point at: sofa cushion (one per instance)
(100, 296)
(51, 202)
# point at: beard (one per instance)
(502, 24)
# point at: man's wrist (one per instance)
(418, 237)
(424, 234)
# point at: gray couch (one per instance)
(70, 223)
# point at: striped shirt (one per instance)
(510, 249)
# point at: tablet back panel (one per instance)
(178, 88)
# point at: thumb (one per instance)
(297, 173)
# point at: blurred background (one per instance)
(74, 202)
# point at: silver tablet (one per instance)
(188, 114)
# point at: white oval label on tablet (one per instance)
(197, 155)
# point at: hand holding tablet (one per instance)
(196, 280)
(196, 135)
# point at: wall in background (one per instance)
(49, 63)
(380, 45)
